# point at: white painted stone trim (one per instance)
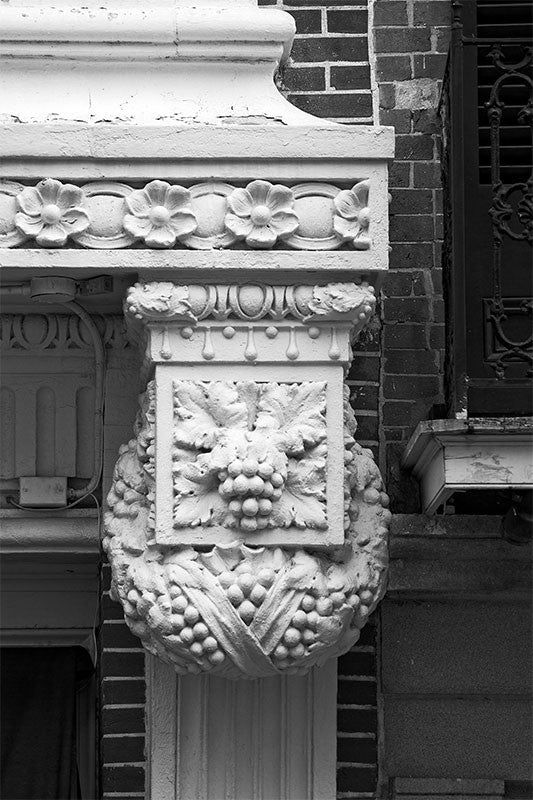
(456, 455)
(316, 144)
(271, 266)
(271, 738)
(207, 216)
(157, 64)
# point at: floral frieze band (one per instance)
(261, 215)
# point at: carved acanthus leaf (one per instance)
(251, 302)
(335, 299)
(159, 302)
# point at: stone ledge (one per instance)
(453, 788)
(189, 262)
(67, 532)
(472, 526)
(458, 454)
(455, 558)
(177, 144)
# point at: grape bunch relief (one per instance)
(236, 610)
(249, 455)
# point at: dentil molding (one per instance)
(246, 528)
(211, 215)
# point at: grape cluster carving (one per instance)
(249, 455)
(239, 611)
(250, 487)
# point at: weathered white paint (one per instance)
(233, 452)
(159, 63)
(312, 151)
(451, 455)
(186, 96)
(209, 215)
(269, 739)
(271, 266)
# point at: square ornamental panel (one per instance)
(255, 462)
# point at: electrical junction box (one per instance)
(43, 492)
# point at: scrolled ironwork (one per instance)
(508, 219)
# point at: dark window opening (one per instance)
(48, 714)
(487, 111)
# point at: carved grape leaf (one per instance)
(197, 505)
(297, 411)
(307, 512)
(202, 409)
(303, 501)
(307, 476)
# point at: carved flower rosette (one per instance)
(51, 212)
(246, 456)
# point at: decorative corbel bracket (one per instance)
(246, 528)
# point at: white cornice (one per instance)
(458, 454)
(113, 33)
(155, 63)
(180, 144)
(150, 262)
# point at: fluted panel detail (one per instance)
(47, 396)
(46, 431)
(7, 428)
(267, 739)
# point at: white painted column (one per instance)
(216, 739)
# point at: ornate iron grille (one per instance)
(488, 172)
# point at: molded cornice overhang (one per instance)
(459, 454)
(316, 163)
(99, 63)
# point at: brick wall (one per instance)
(410, 43)
(122, 696)
(357, 718)
(396, 377)
(329, 73)
(121, 656)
